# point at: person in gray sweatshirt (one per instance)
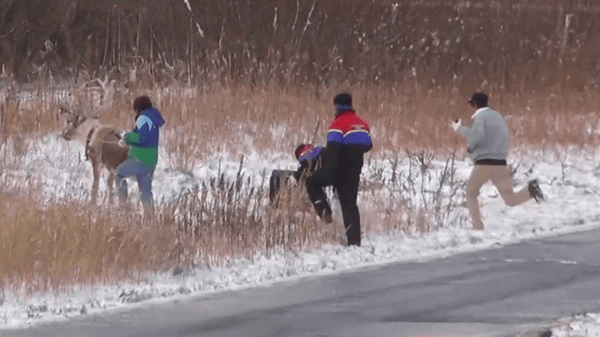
(488, 142)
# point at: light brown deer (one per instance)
(102, 146)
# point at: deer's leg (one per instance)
(95, 160)
(110, 182)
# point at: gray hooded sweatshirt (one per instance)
(488, 137)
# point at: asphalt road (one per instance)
(497, 292)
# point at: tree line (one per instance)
(519, 44)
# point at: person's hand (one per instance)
(456, 124)
(122, 142)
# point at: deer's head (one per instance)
(76, 125)
(71, 122)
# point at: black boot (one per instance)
(535, 191)
(323, 210)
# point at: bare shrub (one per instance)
(227, 219)
(415, 197)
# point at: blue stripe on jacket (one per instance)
(359, 138)
(312, 155)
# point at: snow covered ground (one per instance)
(571, 187)
(580, 325)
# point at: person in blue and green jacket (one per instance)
(143, 151)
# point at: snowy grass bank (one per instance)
(390, 184)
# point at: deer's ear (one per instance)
(63, 109)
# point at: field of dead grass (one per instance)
(200, 122)
(49, 246)
(53, 244)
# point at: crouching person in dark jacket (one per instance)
(309, 158)
(348, 138)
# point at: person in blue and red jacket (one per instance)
(143, 151)
(348, 138)
(308, 156)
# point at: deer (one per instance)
(102, 147)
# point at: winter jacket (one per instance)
(348, 138)
(143, 140)
(488, 137)
(309, 161)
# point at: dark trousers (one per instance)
(143, 173)
(346, 185)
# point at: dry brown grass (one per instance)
(18, 118)
(231, 219)
(244, 118)
(52, 245)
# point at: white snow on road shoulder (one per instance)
(580, 325)
(571, 206)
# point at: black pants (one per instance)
(346, 185)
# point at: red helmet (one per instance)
(302, 149)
